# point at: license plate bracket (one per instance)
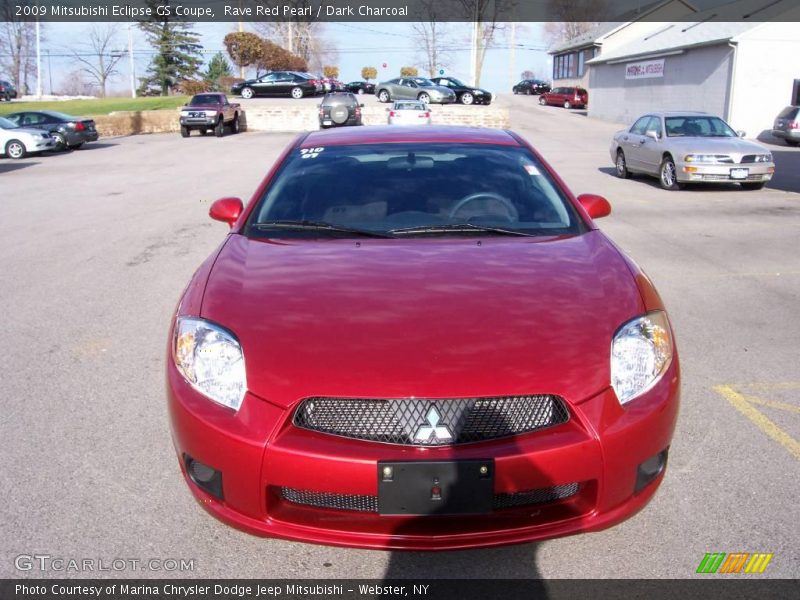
(739, 173)
(460, 487)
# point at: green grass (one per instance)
(99, 106)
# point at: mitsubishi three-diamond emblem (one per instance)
(432, 430)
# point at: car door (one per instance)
(266, 85)
(631, 143)
(649, 150)
(407, 89)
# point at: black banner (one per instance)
(711, 588)
(396, 10)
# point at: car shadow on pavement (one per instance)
(786, 178)
(7, 166)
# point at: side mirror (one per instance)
(596, 206)
(361, 105)
(652, 134)
(226, 210)
(741, 133)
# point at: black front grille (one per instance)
(748, 158)
(422, 422)
(370, 503)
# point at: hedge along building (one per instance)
(743, 71)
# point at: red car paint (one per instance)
(426, 318)
(568, 97)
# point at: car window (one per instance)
(385, 187)
(640, 127)
(7, 123)
(654, 124)
(697, 126)
(204, 99)
(410, 106)
(790, 112)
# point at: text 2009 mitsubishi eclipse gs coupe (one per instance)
(418, 338)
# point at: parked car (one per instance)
(409, 112)
(338, 109)
(465, 94)
(7, 91)
(531, 86)
(68, 132)
(419, 338)
(787, 125)
(332, 85)
(278, 83)
(19, 142)
(210, 111)
(690, 147)
(414, 88)
(568, 97)
(360, 87)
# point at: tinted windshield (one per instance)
(385, 187)
(204, 99)
(6, 124)
(456, 82)
(698, 126)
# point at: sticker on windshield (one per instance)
(532, 170)
(310, 152)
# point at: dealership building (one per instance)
(744, 72)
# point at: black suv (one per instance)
(339, 108)
(7, 91)
(531, 86)
(278, 83)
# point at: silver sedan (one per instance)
(690, 147)
(414, 88)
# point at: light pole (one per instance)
(38, 61)
(131, 64)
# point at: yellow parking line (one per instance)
(785, 385)
(759, 420)
(758, 274)
(772, 403)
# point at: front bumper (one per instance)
(261, 454)
(40, 144)
(728, 173)
(198, 121)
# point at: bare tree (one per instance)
(431, 34)
(17, 48)
(484, 15)
(97, 58)
(571, 18)
(75, 84)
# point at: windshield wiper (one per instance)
(319, 226)
(450, 227)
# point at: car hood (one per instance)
(446, 317)
(716, 145)
(444, 91)
(10, 133)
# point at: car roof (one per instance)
(388, 134)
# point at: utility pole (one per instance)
(131, 64)
(50, 71)
(241, 30)
(512, 63)
(38, 61)
(290, 40)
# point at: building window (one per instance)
(572, 64)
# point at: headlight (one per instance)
(764, 158)
(707, 158)
(210, 359)
(640, 353)
(478, 92)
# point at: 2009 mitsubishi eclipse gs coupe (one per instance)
(418, 338)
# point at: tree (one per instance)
(17, 48)
(528, 74)
(244, 48)
(75, 84)
(368, 73)
(483, 15)
(330, 72)
(571, 18)
(218, 67)
(177, 48)
(409, 71)
(275, 58)
(430, 33)
(100, 62)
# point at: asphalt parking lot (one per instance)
(98, 244)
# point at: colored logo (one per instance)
(737, 562)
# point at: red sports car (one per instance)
(418, 338)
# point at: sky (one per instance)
(359, 45)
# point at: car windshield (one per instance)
(6, 124)
(697, 126)
(413, 189)
(61, 116)
(457, 82)
(410, 106)
(423, 82)
(204, 99)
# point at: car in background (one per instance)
(690, 147)
(409, 112)
(531, 86)
(68, 132)
(465, 94)
(278, 83)
(419, 338)
(568, 97)
(414, 88)
(210, 111)
(338, 109)
(360, 87)
(7, 91)
(331, 85)
(18, 142)
(787, 125)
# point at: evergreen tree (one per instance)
(177, 49)
(217, 68)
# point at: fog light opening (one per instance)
(206, 478)
(650, 469)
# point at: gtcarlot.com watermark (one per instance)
(61, 564)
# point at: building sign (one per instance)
(645, 69)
